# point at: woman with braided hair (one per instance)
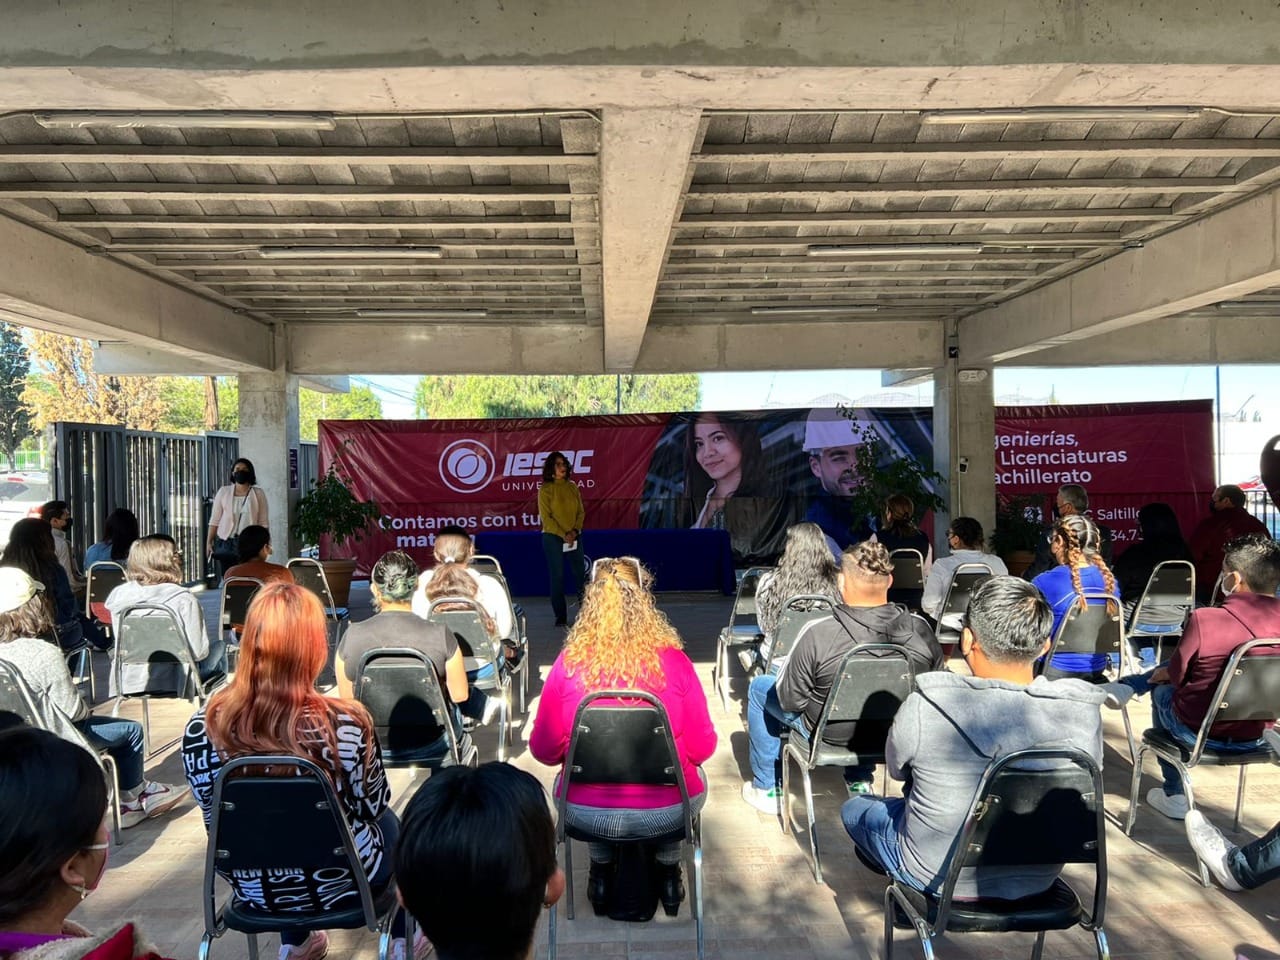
(621, 640)
(1076, 546)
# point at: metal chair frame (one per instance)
(964, 580)
(1157, 592)
(233, 607)
(429, 693)
(743, 630)
(908, 574)
(484, 652)
(486, 563)
(314, 579)
(95, 595)
(1248, 690)
(636, 768)
(519, 638)
(215, 916)
(867, 670)
(975, 846)
(791, 624)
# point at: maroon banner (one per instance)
(1124, 455)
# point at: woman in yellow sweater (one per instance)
(560, 507)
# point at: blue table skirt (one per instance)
(678, 559)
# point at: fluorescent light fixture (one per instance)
(816, 308)
(1064, 114)
(408, 251)
(215, 120)
(889, 249)
(422, 314)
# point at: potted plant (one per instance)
(331, 510)
(1019, 527)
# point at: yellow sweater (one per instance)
(560, 507)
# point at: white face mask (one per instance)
(1234, 586)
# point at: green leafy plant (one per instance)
(883, 472)
(1019, 525)
(331, 509)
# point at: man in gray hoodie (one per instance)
(952, 727)
(795, 698)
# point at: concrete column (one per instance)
(964, 432)
(268, 432)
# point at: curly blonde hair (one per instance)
(619, 633)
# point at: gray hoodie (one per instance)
(926, 748)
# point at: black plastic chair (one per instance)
(233, 607)
(400, 689)
(485, 563)
(1019, 817)
(1167, 599)
(965, 579)
(743, 630)
(17, 697)
(309, 574)
(908, 577)
(629, 742)
(518, 639)
(865, 696)
(464, 617)
(1249, 690)
(797, 613)
(288, 822)
(100, 579)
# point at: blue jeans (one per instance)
(389, 823)
(1258, 862)
(1163, 718)
(875, 825)
(122, 739)
(765, 721)
(554, 552)
(215, 661)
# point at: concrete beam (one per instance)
(50, 284)
(335, 384)
(644, 168)
(904, 378)
(1224, 256)
(1171, 340)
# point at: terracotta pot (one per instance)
(338, 573)
(1018, 561)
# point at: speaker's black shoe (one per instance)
(672, 889)
(598, 887)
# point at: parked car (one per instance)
(22, 493)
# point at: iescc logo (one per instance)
(466, 466)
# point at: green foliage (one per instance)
(15, 416)
(331, 509)
(883, 472)
(359, 403)
(1019, 525)
(439, 397)
(184, 404)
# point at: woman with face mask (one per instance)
(239, 504)
(53, 850)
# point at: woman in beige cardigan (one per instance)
(238, 505)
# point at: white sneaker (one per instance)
(315, 947)
(1118, 694)
(1212, 848)
(422, 947)
(491, 707)
(1175, 807)
(131, 813)
(158, 798)
(766, 801)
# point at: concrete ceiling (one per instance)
(577, 215)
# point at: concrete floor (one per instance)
(761, 901)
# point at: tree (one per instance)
(359, 403)
(186, 404)
(15, 417)
(66, 388)
(438, 397)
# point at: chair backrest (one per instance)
(100, 579)
(965, 579)
(626, 739)
(1249, 689)
(237, 594)
(308, 573)
(908, 569)
(871, 684)
(497, 576)
(16, 697)
(400, 689)
(743, 611)
(485, 563)
(1170, 589)
(1035, 806)
(287, 820)
(465, 617)
(797, 612)
(1094, 626)
(152, 634)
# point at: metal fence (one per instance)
(1260, 505)
(167, 479)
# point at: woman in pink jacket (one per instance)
(621, 640)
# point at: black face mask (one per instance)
(240, 476)
(68, 523)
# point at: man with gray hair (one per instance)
(953, 726)
(1071, 499)
(831, 443)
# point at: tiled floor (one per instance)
(761, 900)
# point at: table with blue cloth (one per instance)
(683, 560)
